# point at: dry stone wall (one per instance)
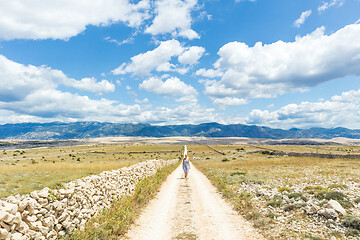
(51, 214)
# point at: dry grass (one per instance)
(240, 167)
(25, 170)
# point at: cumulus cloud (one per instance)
(52, 103)
(91, 85)
(64, 19)
(340, 110)
(228, 101)
(192, 55)
(144, 63)
(191, 113)
(301, 20)
(265, 71)
(172, 86)
(209, 73)
(326, 5)
(173, 16)
(18, 80)
(159, 59)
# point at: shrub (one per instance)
(336, 196)
(357, 200)
(274, 203)
(271, 215)
(313, 190)
(225, 160)
(352, 232)
(297, 195)
(283, 189)
(237, 173)
(336, 185)
(292, 207)
(352, 222)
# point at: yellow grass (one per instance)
(25, 170)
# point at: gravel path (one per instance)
(190, 209)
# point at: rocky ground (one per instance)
(327, 209)
(51, 214)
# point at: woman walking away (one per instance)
(186, 165)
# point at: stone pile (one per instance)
(51, 214)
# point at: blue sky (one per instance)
(278, 63)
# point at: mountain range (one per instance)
(78, 130)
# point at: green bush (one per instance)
(351, 222)
(357, 200)
(274, 203)
(283, 189)
(237, 173)
(292, 207)
(297, 195)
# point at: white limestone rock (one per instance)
(44, 193)
(16, 236)
(333, 204)
(328, 213)
(10, 208)
(4, 234)
(6, 217)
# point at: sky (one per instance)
(282, 64)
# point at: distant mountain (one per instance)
(57, 130)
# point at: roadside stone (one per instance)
(34, 195)
(41, 216)
(23, 228)
(16, 236)
(44, 193)
(333, 204)
(4, 234)
(328, 213)
(6, 217)
(10, 208)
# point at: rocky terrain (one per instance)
(324, 210)
(51, 214)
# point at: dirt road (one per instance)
(190, 209)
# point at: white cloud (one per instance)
(54, 104)
(159, 59)
(343, 110)
(63, 19)
(191, 113)
(91, 85)
(264, 71)
(326, 5)
(192, 55)
(144, 63)
(228, 101)
(210, 73)
(302, 18)
(173, 16)
(18, 80)
(145, 100)
(29, 94)
(172, 86)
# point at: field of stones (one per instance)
(288, 197)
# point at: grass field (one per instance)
(256, 183)
(25, 170)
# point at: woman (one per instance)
(186, 165)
